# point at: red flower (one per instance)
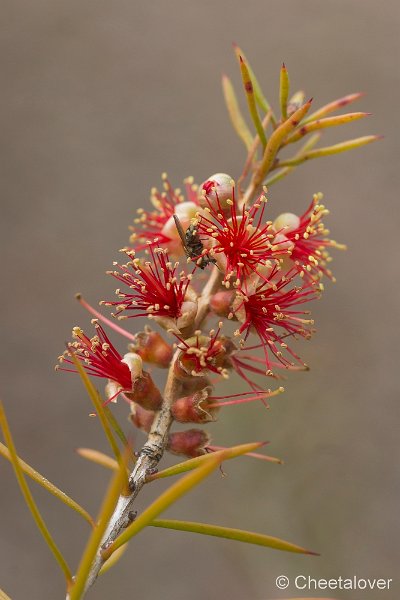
(308, 236)
(156, 288)
(98, 356)
(157, 226)
(238, 239)
(271, 312)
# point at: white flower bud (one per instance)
(287, 222)
(217, 188)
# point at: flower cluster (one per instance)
(264, 271)
(224, 279)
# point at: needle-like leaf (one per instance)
(323, 124)
(3, 596)
(114, 490)
(249, 537)
(260, 98)
(235, 114)
(170, 496)
(194, 463)
(332, 106)
(114, 558)
(251, 101)
(278, 175)
(29, 498)
(98, 457)
(101, 413)
(284, 91)
(328, 150)
(50, 487)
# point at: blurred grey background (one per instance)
(98, 98)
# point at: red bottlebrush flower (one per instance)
(156, 289)
(239, 240)
(272, 306)
(307, 235)
(157, 226)
(99, 358)
(202, 353)
(190, 443)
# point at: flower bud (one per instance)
(140, 417)
(145, 392)
(217, 189)
(190, 443)
(194, 408)
(221, 302)
(286, 222)
(152, 348)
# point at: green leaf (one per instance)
(332, 106)
(3, 596)
(170, 496)
(323, 124)
(328, 150)
(251, 101)
(99, 458)
(100, 411)
(310, 143)
(117, 484)
(194, 463)
(29, 498)
(260, 98)
(284, 91)
(235, 114)
(276, 141)
(114, 558)
(249, 537)
(50, 487)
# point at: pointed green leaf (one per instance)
(99, 458)
(29, 498)
(50, 487)
(332, 106)
(235, 114)
(115, 488)
(170, 496)
(328, 150)
(193, 463)
(310, 143)
(260, 98)
(276, 141)
(323, 124)
(249, 537)
(284, 91)
(99, 407)
(251, 101)
(3, 596)
(114, 558)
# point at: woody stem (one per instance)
(152, 451)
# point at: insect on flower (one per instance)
(192, 244)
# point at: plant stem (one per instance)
(153, 450)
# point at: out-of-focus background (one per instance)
(98, 99)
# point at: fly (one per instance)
(193, 245)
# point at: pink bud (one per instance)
(145, 392)
(221, 302)
(190, 443)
